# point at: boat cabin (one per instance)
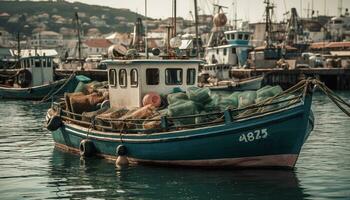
(233, 49)
(41, 69)
(130, 80)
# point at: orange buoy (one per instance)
(152, 98)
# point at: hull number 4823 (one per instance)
(253, 135)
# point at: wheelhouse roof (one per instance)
(144, 61)
(230, 45)
(29, 57)
(236, 31)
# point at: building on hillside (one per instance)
(97, 46)
(47, 39)
(119, 38)
(5, 38)
(96, 21)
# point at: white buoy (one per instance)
(122, 160)
(121, 156)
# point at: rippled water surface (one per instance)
(36, 170)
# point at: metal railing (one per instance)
(165, 123)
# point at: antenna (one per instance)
(268, 24)
(301, 8)
(340, 7)
(308, 10)
(79, 39)
(235, 15)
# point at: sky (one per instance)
(251, 10)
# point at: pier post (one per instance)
(164, 123)
(228, 116)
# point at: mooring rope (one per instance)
(53, 92)
(32, 142)
(337, 100)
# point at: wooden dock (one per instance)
(97, 75)
(335, 78)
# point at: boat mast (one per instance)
(79, 40)
(196, 25)
(18, 48)
(146, 42)
(268, 24)
(174, 18)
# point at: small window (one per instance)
(173, 76)
(133, 78)
(122, 78)
(246, 37)
(233, 50)
(112, 78)
(152, 76)
(232, 36)
(44, 62)
(191, 76)
(225, 51)
(37, 62)
(48, 60)
(240, 36)
(26, 63)
(217, 51)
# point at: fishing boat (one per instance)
(35, 80)
(267, 134)
(227, 50)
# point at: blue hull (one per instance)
(38, 92)
(273, 140)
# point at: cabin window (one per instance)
(152, 76)
(48, 60)
(225, 51)
(233, 50)
(173, 76)
(338, 21)
(31, 63)
(191, 76)
(122, 78)
(44, 62)
(246, 37)
(112, 77)
(26, 63)
(232, 36)
(37, 62)
(133, 78)
(240, 36)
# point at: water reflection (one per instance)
(96, 178)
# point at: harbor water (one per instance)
(31, 168)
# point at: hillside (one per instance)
(26, 16)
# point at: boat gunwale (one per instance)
(34, 87)
(211, 131)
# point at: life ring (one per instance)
(86, 148)
(54, 123)
(24, 78)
